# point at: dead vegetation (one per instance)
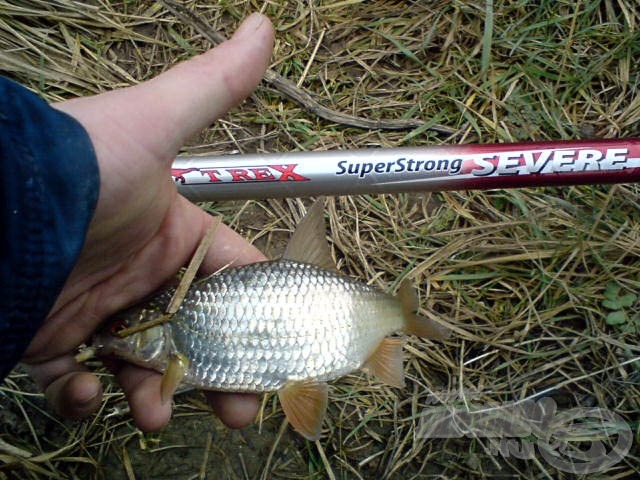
(528, 279)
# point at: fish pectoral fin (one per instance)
(305, 405)
(173, 375)
(308, 243)
(386, 362)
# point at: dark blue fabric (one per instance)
(49, 183)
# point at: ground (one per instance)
(539, 285)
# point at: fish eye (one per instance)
(117, 327)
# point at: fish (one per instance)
(289, 325)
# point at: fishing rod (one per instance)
(407, 169)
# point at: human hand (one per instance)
(142, 231)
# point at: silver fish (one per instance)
(288, 325)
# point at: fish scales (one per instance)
(255, 328)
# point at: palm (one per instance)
(142, 231)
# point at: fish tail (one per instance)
(414, 323)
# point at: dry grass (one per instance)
(520, 275)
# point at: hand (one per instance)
(143, 231)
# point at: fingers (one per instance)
(142, 389)
(236, 410)
(72, 391)
(227, 248)
(75, 393)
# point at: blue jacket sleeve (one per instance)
(49, 182)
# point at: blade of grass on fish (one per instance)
(183, 286)
(192, 269)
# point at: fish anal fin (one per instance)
(416, 324)
(176, 369)
(386, 362)
(305, 405)
(308, 243)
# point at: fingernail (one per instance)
(250, 25)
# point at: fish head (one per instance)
(148, 347)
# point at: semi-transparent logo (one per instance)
(578, 440)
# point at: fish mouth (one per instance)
(106, 345)
(109, 350)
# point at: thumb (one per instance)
(199, 91)
(159, 115)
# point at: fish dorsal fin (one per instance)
(309, 242)
(305, 404)
(386, 362)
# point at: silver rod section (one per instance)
(418, 169)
